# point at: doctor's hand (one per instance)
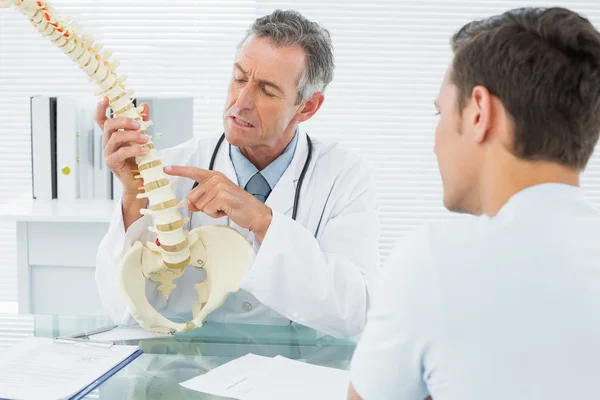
(119, 139)
(217, 196)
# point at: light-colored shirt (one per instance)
(490, 308)
(245, 170)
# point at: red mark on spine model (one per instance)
(157, 242)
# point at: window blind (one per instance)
(14, 328)
(390, 58)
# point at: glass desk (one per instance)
(166, 362)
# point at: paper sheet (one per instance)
(127, 332)
(255, 377)
(39, 369)
(236, 379)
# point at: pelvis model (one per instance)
(220, 250)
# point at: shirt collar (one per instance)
(541, 195)
(245, 170)
(275, 170)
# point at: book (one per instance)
(43, 147)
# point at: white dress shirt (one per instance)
(490, 308)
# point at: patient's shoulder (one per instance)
(452, 232)
(436, 245)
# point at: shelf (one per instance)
(27, 209)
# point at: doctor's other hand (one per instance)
(217, 196)
(119, 136)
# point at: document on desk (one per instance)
(40, 368)
(255, 377)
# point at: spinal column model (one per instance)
(220, 250)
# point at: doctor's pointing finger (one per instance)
(217, 196)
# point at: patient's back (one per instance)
(519, 299)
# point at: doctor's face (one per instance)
(457, 153)
(261, 98)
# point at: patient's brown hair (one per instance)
(544, 65)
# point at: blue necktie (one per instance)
(258, 187)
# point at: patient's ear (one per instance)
(482, 113)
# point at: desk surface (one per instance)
(24, 208)
(166, 362)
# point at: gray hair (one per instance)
(290, 28)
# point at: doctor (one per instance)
(307, 206)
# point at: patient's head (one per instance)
(521, 94)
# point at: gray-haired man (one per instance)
(315, 250)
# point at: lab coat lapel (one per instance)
(281, 198)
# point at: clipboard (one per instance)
(84, 392)
(46, 354)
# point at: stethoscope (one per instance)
(300, 180)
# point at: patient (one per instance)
(507, 305)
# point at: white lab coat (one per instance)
(316, 271)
